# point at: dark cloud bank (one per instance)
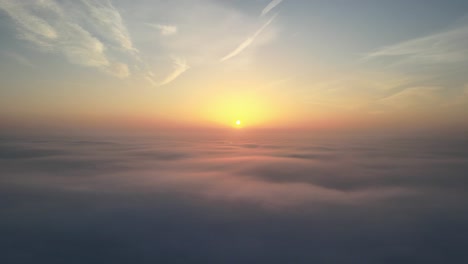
(234, 199)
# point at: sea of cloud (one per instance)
(234, 198)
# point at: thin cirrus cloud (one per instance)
(92, 35)
(246, 43)
(18, 58)
(165, 30)
(414, 98)
(50, 28)
(444, 47)
(252, 38)
(429, 56)
(180, 66)
(108, 23)
(270, 7)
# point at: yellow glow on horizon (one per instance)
(237, 110)
(250, 102)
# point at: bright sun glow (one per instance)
(238, 122)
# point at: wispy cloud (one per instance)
(432, 63)
(119, 69)
(165, 30)
(248, 41)
(89, 33)
(444, 47)
(46, 25)
(18, 58)
(270, 7)
(29, 25)
(180, 66)
(414, 98)
(108, 23)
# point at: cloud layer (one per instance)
(207, 198)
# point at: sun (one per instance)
(238, 122)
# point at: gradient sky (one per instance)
(206, 62)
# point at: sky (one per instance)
(206, 63)
(233, 131)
